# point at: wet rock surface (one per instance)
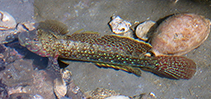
(3, 91)
(19, 76)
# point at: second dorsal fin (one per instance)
(86, 36)
(129, 45)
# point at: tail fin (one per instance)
(175, 67)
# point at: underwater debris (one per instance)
(119, 26)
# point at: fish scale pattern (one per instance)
(111, 51)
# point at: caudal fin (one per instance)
(176, 67)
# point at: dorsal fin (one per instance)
(128, 44)
(54, 26)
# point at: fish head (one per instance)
(31, 41)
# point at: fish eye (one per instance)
(35, 39)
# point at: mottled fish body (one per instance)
(107, 51)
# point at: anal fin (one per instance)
(130, 69)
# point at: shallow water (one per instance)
(94, 15)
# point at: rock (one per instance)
(119, 26)
(118, 97)
(143, 29)
(100, 93)
(6, 21)
(179, 34)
